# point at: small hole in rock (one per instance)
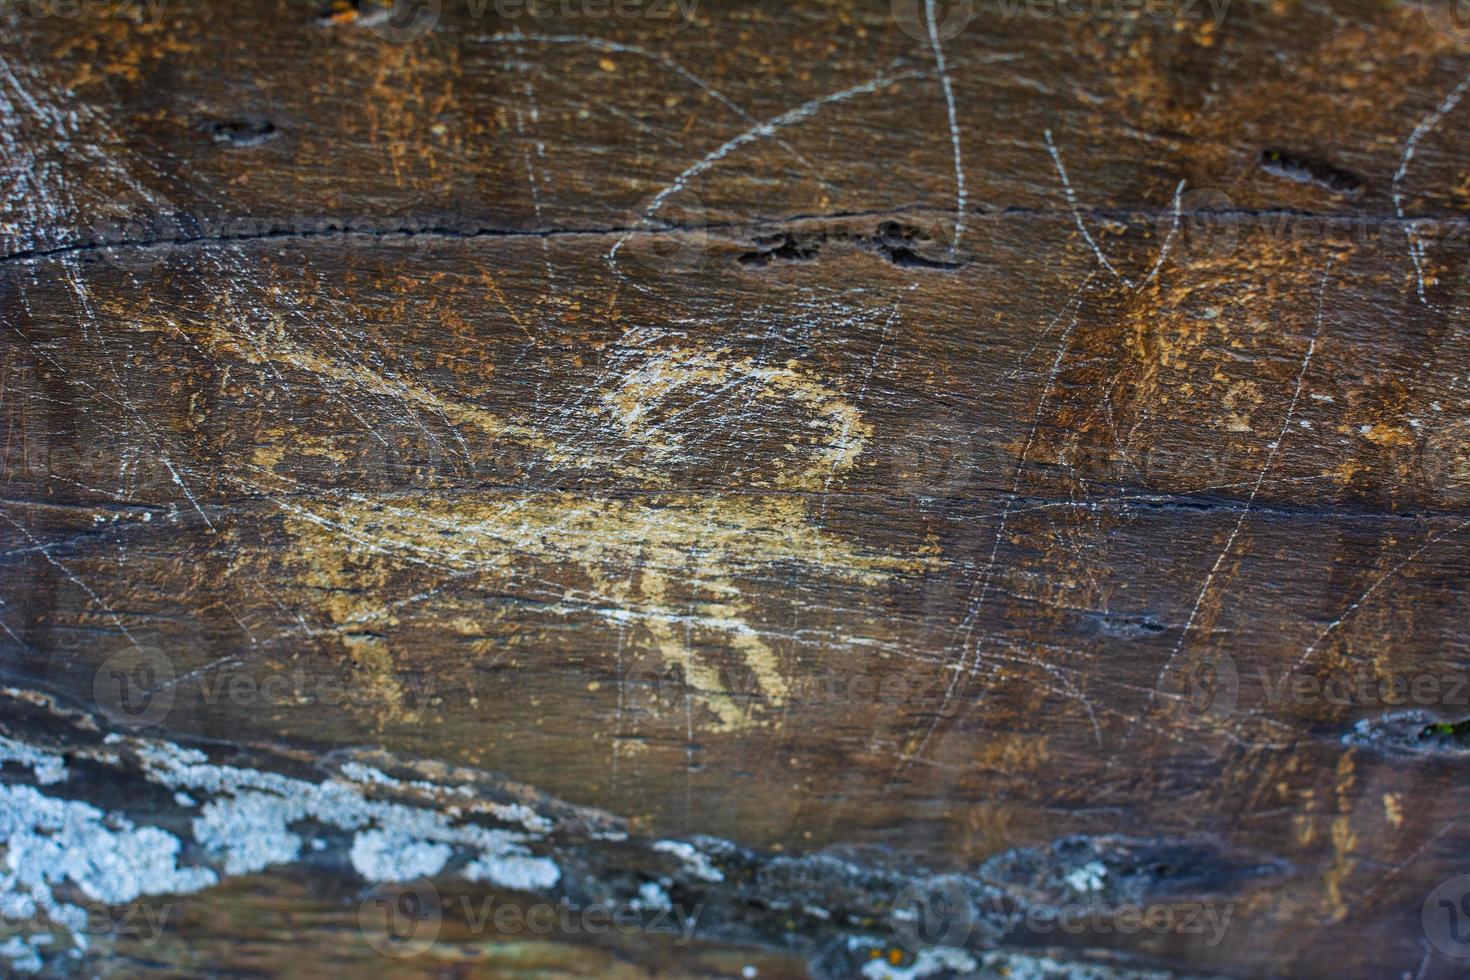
(241, 133)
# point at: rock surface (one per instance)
(852, 489)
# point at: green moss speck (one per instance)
(1447, 729)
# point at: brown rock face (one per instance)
(621, 488)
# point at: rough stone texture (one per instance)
(960, 455)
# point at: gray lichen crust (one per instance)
(88, 815)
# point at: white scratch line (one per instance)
(1056, 158)
(1071, 194)
(759, 130)
(184, 487)
(967, 625)
(1353, 607)
(873, 364)
(229, 660)
(600, 44)
(954, 126)
(75, 578)
(1424, 960)
(1050, 327)
(1425, 127)
(11, 633)
(1250, 501)
(1169, 238)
